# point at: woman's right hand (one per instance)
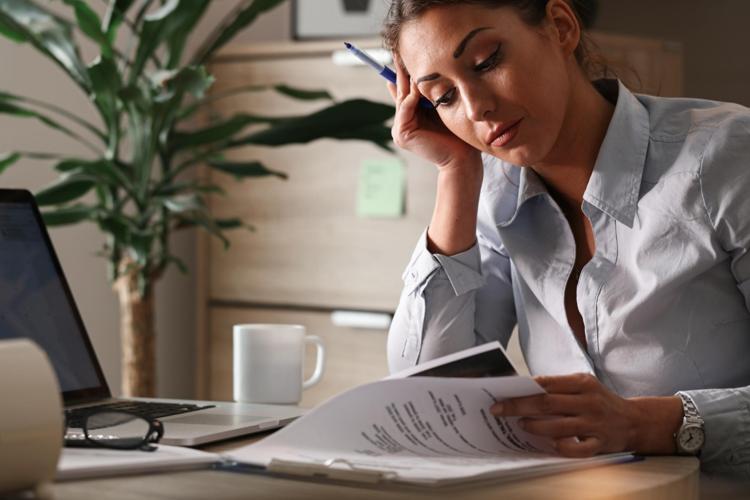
(421, 131)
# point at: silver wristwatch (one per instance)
(690, 437)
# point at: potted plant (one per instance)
(134, 181)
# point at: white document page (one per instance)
(77, 463)
(420, 429)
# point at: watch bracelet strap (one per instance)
(692, 416)
(689, 409)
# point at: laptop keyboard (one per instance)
(147, 409)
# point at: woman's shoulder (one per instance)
(678, 119)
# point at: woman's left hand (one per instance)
(584, 418)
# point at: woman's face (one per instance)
(499, 84)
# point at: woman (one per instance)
(612, 228)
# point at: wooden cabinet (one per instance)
(310, 253)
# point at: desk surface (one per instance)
(655, 477)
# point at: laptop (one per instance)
(36, 303)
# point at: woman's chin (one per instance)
(516, 156)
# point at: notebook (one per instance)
(36, 303)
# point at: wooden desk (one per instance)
(661, 478)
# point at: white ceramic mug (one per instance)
(269, 363)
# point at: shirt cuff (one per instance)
(726, 416)
(463, 270)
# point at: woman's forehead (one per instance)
(441, 32)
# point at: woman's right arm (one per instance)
(450, 279)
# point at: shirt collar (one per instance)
(616, 179)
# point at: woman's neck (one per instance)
(566, 171)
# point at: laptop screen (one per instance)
(36, 303)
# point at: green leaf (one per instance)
(152, 34)
(184, 203)
(118, 226)
(179, 27)
(202, 219)
(69, 188)
(171, 83)
(24, 112)
(104, 171)
(190, 109)
(48, 33)
(230, 223)
(235, 23)
(302, 94)
(90, 24)
(171, 259)
(347, 120)
(115, 14)
(68, 215)
(11, 32)
(140, 245)
(175, 188)
(245, 169)
(8, 159)
(219, 132)
(106, 85)
(172, 23)
(378, 134)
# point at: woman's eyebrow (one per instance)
(456, 54)
(462, 46)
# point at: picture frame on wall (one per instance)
(331, 19)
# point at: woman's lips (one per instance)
(506, 135)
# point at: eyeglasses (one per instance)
(118, 430)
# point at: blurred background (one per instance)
(710, 38)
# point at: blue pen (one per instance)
(383, 70)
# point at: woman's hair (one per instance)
(532, 12)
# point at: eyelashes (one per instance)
(490, 62)
(487, 65)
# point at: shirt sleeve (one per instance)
(725, 185)
(450, 303)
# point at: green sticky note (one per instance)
(382, 188)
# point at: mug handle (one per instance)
(320, 358)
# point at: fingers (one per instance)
(555, 427)
(402, 81)
(542, 404)
(575, 447)
(392, 90)
(575, 383)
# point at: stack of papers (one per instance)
(430, 426)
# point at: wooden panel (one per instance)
(354, 356)
(645, 65)
(309, 247)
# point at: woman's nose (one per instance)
(477, 103)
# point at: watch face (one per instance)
(691, 438)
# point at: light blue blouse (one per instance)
(665, 300)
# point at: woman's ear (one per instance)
(564, 26)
